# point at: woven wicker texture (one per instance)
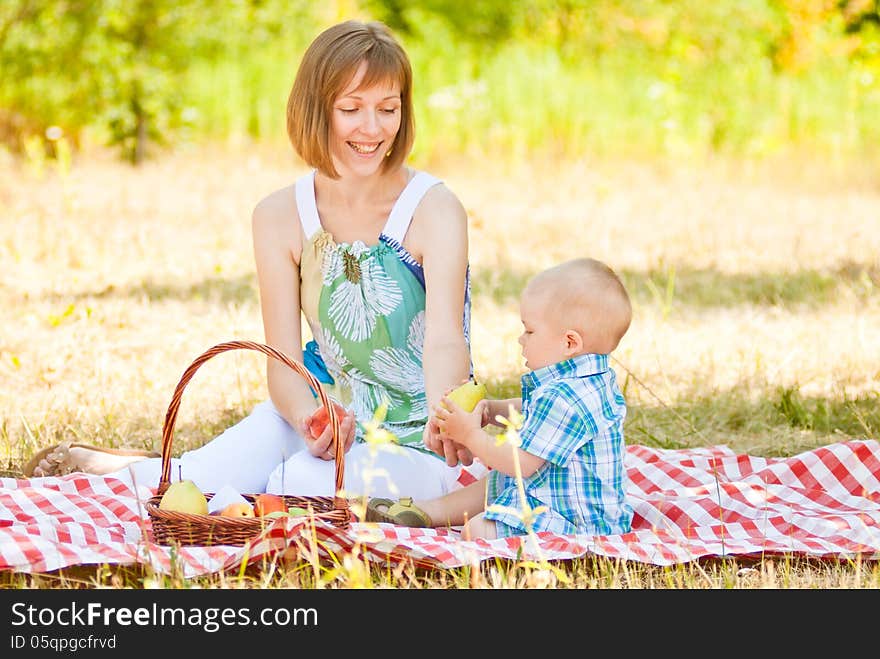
(172, 527)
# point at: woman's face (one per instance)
(365, 123)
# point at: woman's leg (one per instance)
(241, 457)
(405, 472)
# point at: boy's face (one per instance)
(543, 341)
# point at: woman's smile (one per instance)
(364, 148)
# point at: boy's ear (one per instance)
(574, 343)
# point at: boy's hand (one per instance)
(456, 424)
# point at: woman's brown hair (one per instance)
(327, 67)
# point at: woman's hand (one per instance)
(322, 445)
(444, 446)
(452, 451)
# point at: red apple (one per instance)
(321, 418)
(268, 503)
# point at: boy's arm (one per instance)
(500, 456)
(493, 408)
(496, 408)
(465, 428)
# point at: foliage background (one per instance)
(570, 77)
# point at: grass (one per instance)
(755, 286)
(583, 573)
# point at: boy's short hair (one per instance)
(327, 66)
(586, 295)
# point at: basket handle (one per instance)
(171, 415)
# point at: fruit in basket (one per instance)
(467, 395)
(184, 497)
(269, 503)
(238, 509)
(293, 511)
(321, 418)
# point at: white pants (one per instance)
(263, 453)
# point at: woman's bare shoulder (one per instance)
(439, 211)
(439, 224)
(275, 224)
(277, 206)
(441, 199)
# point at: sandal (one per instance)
(402, 513)
(67, 457)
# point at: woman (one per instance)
(374, 254)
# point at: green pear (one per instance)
(467, 395)
(184, 497)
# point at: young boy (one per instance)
(572, 449)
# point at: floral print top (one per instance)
(365, 306)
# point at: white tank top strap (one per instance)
(406, 204)
(306, 205)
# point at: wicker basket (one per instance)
(172, 527)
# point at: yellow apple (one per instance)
(467, 395)
(184, 497)
(238, 509)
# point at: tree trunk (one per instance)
(140, 144)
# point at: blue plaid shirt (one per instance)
(573, 418)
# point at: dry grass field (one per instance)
(756, 291)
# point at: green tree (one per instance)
(117, 64)
(40, 45)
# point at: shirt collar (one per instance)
(576, 367)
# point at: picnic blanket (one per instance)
(689, 504)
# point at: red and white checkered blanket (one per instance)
(689, 504)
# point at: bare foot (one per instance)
(67, 458)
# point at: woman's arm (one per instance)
(277, 250)
(439, 237)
